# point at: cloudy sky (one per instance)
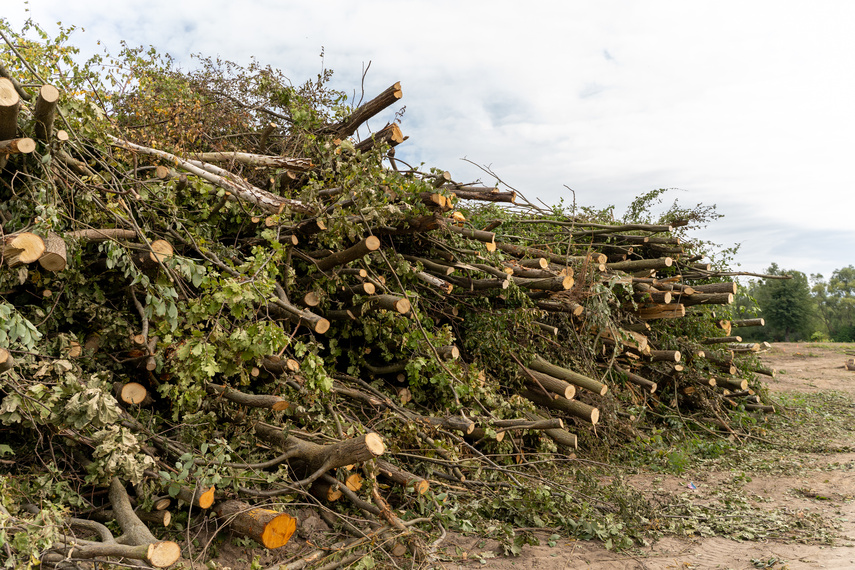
(745, 105)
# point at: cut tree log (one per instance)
(361, 249)
(390, 134)
(267, 527)
(7, 362)
(134, 394)
(44, 112)
(10, 103)
(541, 365)
(17, 146)
(104, 234)
(574, 408)
(55, 256)
(22, 248)
(348, 126)
(707, 299)
(549, 383)
(730, 287)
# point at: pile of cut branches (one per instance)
(218, 302)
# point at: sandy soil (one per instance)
(820, 484)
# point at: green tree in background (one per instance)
(787, 305)
(835, 301)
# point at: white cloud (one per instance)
(742, 104)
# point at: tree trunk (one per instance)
(22, 248)
(541, 365)
(44, 112)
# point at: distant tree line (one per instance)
(801, 308)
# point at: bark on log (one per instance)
(541, 365)
(716, 288)
(361, 249)
(653, 312)
(45, 111)
(200, 497)
(258, 160)
(487, 238)
(348, 126)
(485, 195)
(301, 316)
(576, 409)
(640, 264)
(7, 362)
(269, 528)
(17, 146)
(390, 134)
(55, 256)
(22, 248)
(387, 302)
(707, 299)
(266, 401)
(665, 355)
(551, 384)
(732, 383)
(759, 322)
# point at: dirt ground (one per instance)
(809, 486)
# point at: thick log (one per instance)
(541, 365)
(326, 491)
(348, 126)
(387, 302)
(361, 249)
(560, 436)
(672, 311)
(572, 407)
(559, 283)
(200, 497)
(22, 248)
(665, 355)
(44, 112)
(732, 383)
(266, 401)
(258, 160)
(237, 187)
(269, 528)
(653, 296)
(487, 238)
(537, 380)
(450, 352)
(758, 322)
(390, 134)
(707, 299)
(158, 554)
(55, 256)
(17, 146)
(403, 477)
(562, 306)
(716, 288)
(434, 281)
(7, 362)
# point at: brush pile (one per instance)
(218, 301)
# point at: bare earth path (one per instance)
(791, 487)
